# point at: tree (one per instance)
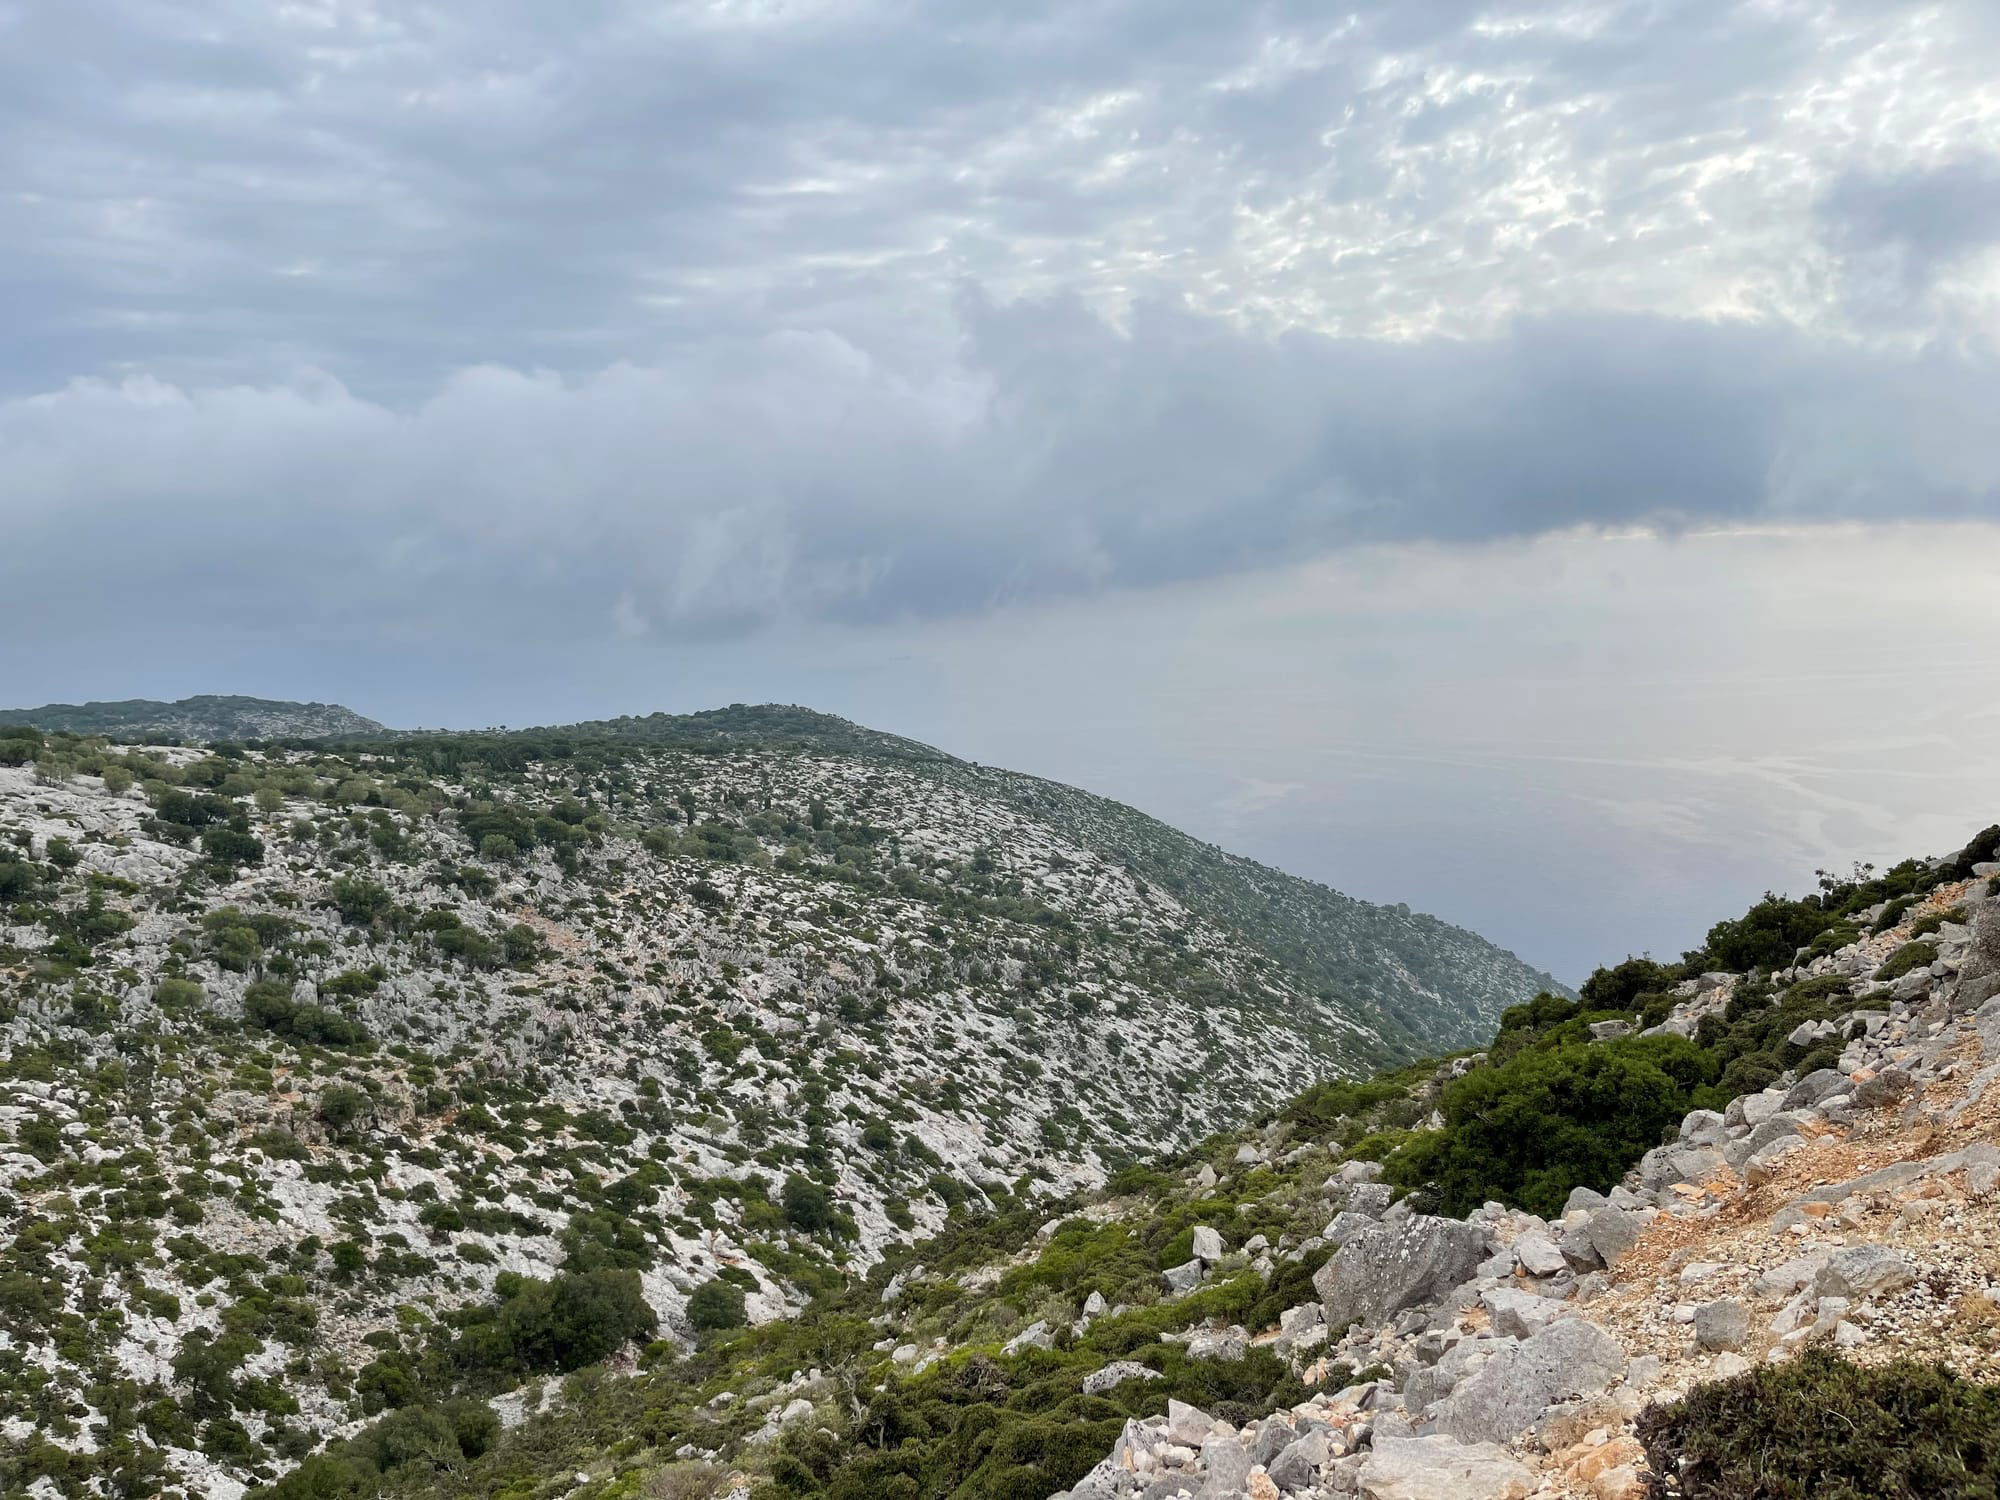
(341, 1105)
(807, 1204)
(1619, 986)
(361, 903)
(717, 1304)
(232, 846)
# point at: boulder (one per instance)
(1612, 1233)
(1226, 1344)
(1814, 1087)
(1664, 1166)
(1344, 1226)
(1185, 1277)
(1207, 1243)
(1537, 1254)
(1862, 1272)
(1702, 1126)
(1722, 1324)
(1390, 1267)
(1566, 1361)
(1979, 969)
(1036, 1335)
(1228, 1463)
(1298, 1466)
(1371, 1199)
(1888, 1086)
(1187, 1425)
(1752, 1109)
(1520, 1314)
(1583, 1198)
(1439, 1468)
(1097, 1382)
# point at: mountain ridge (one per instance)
(205, 716)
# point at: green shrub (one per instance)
(341, 1105)
(1546, 1122)
(1820, 1428)
(807, 1204)
(1893, 913)
(268, 1006)
(228, 845)
(1930, 922)
(361, 903)
(176, 996)
(716, 1304)
(1904, 959)
(1766, 936)
(564, 1324)
(1619, 987)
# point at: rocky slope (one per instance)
(1854, 1204)
(309, 1052)
(1419, 982)
(203, 717)
(1286, 1310)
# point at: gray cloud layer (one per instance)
(672, 319)
(799, 475)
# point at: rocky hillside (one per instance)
(1420, 983)
(204, 717)
(1702, 1232)
(338, 1077)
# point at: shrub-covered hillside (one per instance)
(345, 1080)
(1024, 1348)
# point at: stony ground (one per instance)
(1857, 1204)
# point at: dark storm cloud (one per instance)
(798, 476)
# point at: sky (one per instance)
(1533, 461)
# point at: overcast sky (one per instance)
(1535, 461)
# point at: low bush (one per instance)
(1820, 1428)
(1904, 959)
(716, 1304)
(1546, 1122)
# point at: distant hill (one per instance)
(205, 717)
(1418, 982)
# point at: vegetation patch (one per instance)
(1821, 1428)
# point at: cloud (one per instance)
(803, 476)
(392, 193)
(1922, 221)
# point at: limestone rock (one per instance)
(1390, 1267)
(1037, 1335)
(1862, 1272)
(1537, 1254)
(1097, 1382)
(1565, 1361)
(1723, 1324)
(1612, 1233)
(1440, 1468)
(1520, 1314)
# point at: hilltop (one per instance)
(205, 717)
(329, 1061)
